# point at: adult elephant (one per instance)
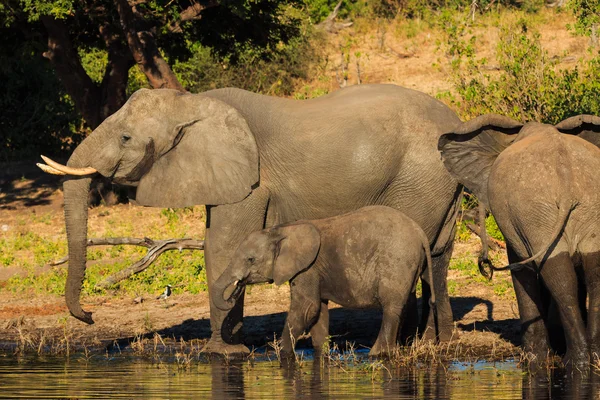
(542, 187)
(256, 161)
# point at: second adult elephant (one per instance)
(543, 188)
(256, 161)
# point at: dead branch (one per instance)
(193, 12)
(329, 23)
(400, 54)
(342, 78)
(493, 244)
(155, 248)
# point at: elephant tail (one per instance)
(425, 244)
(429, 266)
(564, 211)
(483, 261)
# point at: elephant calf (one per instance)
(367, 258)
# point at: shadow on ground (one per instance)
(358, 326)
(25, 184)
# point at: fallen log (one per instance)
(155, 248)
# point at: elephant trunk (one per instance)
(227, 289)
(76, 192)
(76, 215)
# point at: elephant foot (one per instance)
(379, 350)
(216, 346)
(536, 364)
(576, 361)
(445, 333)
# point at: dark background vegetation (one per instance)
(65, 65)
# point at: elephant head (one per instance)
(271, 255)
(472, 148)
(179, 149)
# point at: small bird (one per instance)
(165, 294)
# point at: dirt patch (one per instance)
(482, 323)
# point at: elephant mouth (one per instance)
(234, 290)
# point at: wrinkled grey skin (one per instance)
(542, 187)
(257, 161)
(367, 258)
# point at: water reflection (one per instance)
(138, 378)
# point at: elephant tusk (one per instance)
(236, 282)
(49, 170)
(67, 170)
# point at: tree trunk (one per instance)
(94, 102)
(144, 51)
(67, 65)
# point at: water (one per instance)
(130, 377)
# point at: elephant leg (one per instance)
(594, 323)
(226, 227)
(388, 332)
(591, 265)
(410, 316)
(320, 330)
(560, 278)
(529, 299)
(305, 308)
(442, 317)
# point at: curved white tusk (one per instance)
(49, 170)
(68, 170)
(236, 282)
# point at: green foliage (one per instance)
(254, 44)
(318, 10)
(528, 86)
(492, 228)
(274, 75)
(466, 265)
(183, 270)
(587, 13)
(463, 233)
(503, 287)
(308, 92)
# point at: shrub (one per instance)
(274, 75)
(528, 85)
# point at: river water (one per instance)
(131, 377)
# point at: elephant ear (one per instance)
(471, 149)
(214, 160)
(585, 126)
(298, 247)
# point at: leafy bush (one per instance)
(587, 13)
(274, 75)
(528, 85)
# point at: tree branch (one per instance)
(193, 12)
(114, 83)
(155, 248)
(329, 23)
(144, 51)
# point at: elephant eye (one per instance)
(125, 138)
(251, 260)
